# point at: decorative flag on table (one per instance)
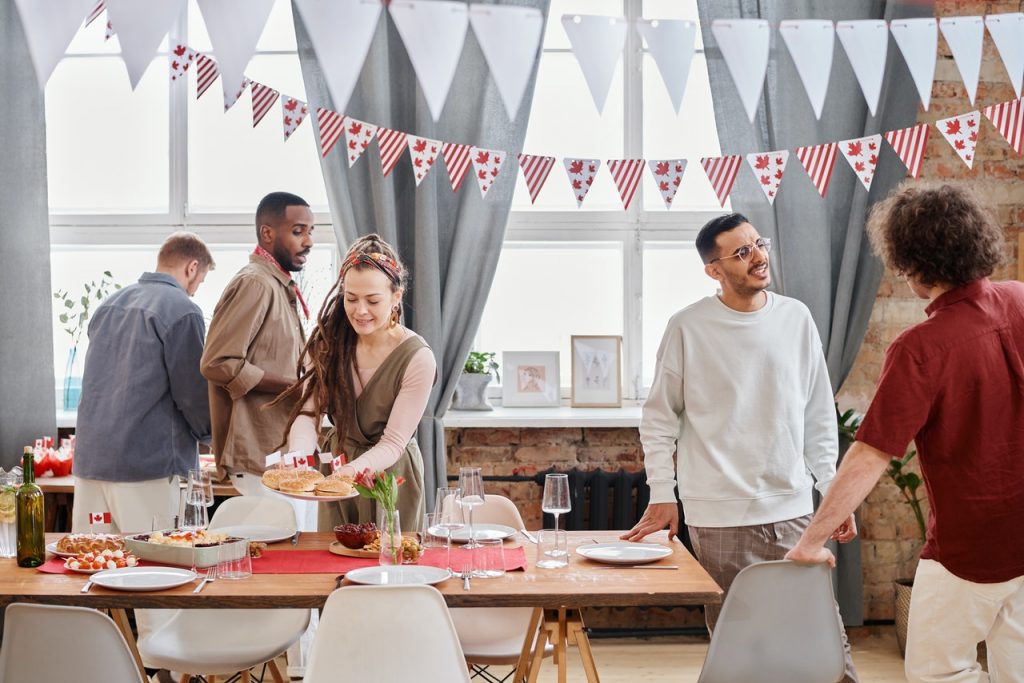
(909, 144)
(918, 40)
(769, 168)
(456, 159)
(293, 112)
(964, 36)
(535, 172)
(961, 132)
(862, 155)
(422, 153)
(581, 176)
(668, 176)
(231, 98)
(181, 59)
(330, 124)
(1008, 118)
(721, 172)
(358, 136)
(391, 144)
(208, 73)
(487, 165)
(263, 98)
(1007, 31)
(818, 161)
(626, 173)
(95, 12)
(99, 518)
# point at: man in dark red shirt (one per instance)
(954, 384)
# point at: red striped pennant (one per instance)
(626, 173)
(721, 171)
(330, 123)
(422, 154)
(819, 162)
(96, 12)
(358, 136)
(909, 144)
(1008, 118)
(535, 172)
(668, 176)
(263, 98)
(391, 144)
(456, 159)
(208, 73)
(293, 112)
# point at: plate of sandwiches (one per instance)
(306, 484)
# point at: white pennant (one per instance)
(918, 39)
(866, 42)
(964, 36)
(597, 43)
(1007, 31)
(670, 42)
(49, 27)
(744, 46)
(341, 31)
(768, 168)
(433, 33)
(140, 28)
(235, 28)
(509, 38)
(810, 44)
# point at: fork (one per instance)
(211, 576)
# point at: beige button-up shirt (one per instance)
(255, 330)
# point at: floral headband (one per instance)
(383, 263)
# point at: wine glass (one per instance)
(472, 485)
(201, 479)
(556, 498)
(449, 516)
(194, 516)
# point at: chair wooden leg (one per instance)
(275, 672)
(245, 677)
(185, 678)
(578, 636)
(211, 679)
(120, 618)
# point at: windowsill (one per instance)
(562, 416)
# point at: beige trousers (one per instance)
(131, 504)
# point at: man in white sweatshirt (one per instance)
(741, 395)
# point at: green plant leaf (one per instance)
(63, 317)
(85, 301)
(912, 481)
(107, 273)
(68, 303)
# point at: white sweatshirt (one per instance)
(747, 399)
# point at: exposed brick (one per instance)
(490, 437)
(620, 436)
(560, 456)
(611, 457)
(550, 436)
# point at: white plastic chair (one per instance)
(90, 646)
(386, 633)
(778, 623)
(216, 642)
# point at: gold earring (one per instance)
(394, 316)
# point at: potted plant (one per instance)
(908, 484)
(74, 316)
(471, 389)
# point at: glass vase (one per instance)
(390, 527)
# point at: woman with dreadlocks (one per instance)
(371, 376)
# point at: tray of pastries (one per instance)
(80, 544)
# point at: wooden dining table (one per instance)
(556, 595)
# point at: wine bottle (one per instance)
(31, 541)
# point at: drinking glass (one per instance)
(430, 534)
(194, 515)
(201, 480)
(552, 549)
(472, 485)
(233, 561)
(489, 558)
(8, 516)
(449, 516)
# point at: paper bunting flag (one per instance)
(391, 144)
(422, 153)
(231, 97)
(670, 42)
(234, 29)
(721, 172)
(909, 144)
(433, 33)
(535, 172)
(964, 36)
(961, 132)
(95, 13)
(810, 44)
(141, 26)
(263, 98)
(668, 176)
(358, 136)
(581, 176)
(597, 43)
(293, 112)
(330, 123)
(487, 165)
(918, 40)
(49, 28)
(1007, 31)
(456, 159)
(181, 59)
(509, 38)
(744, 46)
(110, 32)
(626, 173)
(866, 42)
(769, 168)
(208, 73)
(818, 161)
(1008, 118)
(862, 155)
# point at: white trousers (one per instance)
(131, 504)
(949, 616)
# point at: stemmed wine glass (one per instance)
(202, 480)
(194, 515)
(449, 516)
(556, 498)
(472, 485)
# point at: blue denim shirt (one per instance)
(144, 404)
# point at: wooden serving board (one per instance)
(338, 549)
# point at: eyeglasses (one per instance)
(744, 253)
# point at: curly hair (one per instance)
(328, 358)
(939, 234)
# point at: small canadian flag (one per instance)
(99, 518)
(305, 460)
(337, 462)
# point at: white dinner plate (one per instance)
(143, 578)
(52, 548)
(483, 532)
(256, 532)
(310, 496)
(624, 552)
(397, 575)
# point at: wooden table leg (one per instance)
(538, 653)
(523, 665)
(560, 647)
(121, 619)
(579, 637)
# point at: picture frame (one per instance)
(596, 371)
(531, 379)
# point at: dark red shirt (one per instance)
(954, 384)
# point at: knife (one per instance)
(529, 536)
(87, 586)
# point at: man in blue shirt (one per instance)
(144, 405)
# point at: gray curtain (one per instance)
(449, 242)
(821, 254)
(26, 328)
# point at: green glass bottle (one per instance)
(31, 541)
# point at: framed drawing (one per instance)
(596, 371)
(531, 378)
